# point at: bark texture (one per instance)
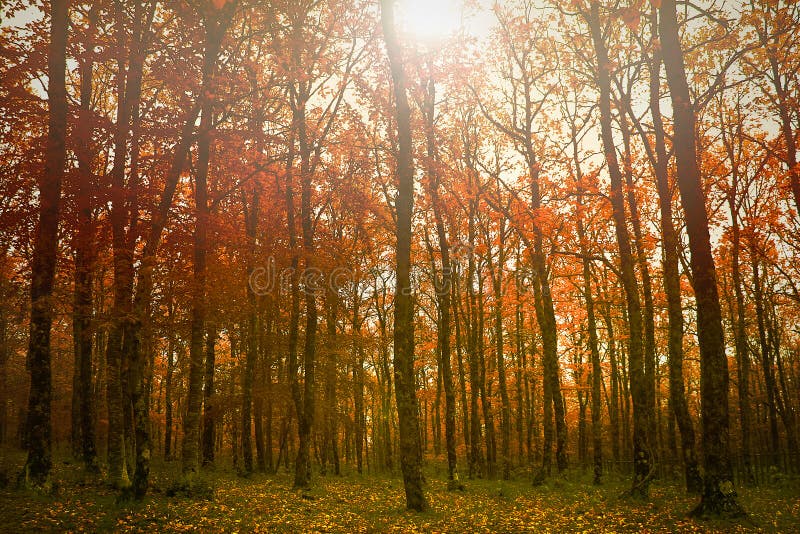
(38, 462)
(405, 386)
(719, 494)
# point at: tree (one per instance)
(124, 208)
(443, 285)
(719, 494)
(83, 403)
(524, 68)
(38, 426)
(215, 28)
(642, 411)
(669, 245)
(410, 456)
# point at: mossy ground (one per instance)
(375, 503)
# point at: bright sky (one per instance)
(427, 21)
(430, 21)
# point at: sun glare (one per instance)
(430, 20)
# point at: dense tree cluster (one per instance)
(289, 234)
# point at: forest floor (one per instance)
(375, 503)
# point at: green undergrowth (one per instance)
(223, 501)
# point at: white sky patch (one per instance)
(430, 20)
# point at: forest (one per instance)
(396, 265)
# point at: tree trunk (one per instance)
(642, 410)
(443, 292)
(613, 401)
(251, 217)
(168, 387)
(476, 454)
(83, 417)
(484, 385)
(462, 378)
(767, 365)
(259, 379)
(45, 252)
(648, 311)
(305, 419)
(330, 446)
(191, 433)
(266, 380)
(358, 386)
(519, 366)
(251, 350)
(496, 272)
(739, 325)
(719, 495)
(123, 207)
(672, 289)
(209, 410)
(552, 399)
(405, 388)
(4, 355)
(591, 323)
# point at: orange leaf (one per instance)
(631, 17)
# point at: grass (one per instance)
(375, 503)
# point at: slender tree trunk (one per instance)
(476, 455)
(642, 410)
(385, 383)
(4, 354)
(301, 469)
(496, 272)
(483, 385)
(719, 495)
(443, 291)
(739, 326)
(767, 364)
(191, 434)
(83, 417)
(123, 208)
(209, 410)
(583, 439)
(45, 252)
(251, 350)
(591, 323)
(519, 352)
(533, 432)
(234, 418)
(669, 246)
(462, 378)
(168, 388)
(251, 216)
(269, 331)
(613, 404)
(258, 396)
(648, 310)
(306, 417)
(405, 388)
(552, 399)
(330, 449)
(358, 386)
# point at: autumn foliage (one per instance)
(295, 235)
